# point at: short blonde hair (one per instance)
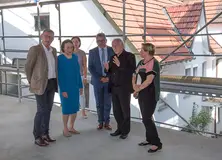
(149, 47)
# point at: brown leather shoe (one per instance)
(40, 142)
(100, 126)
(48, 138)
(107, 127)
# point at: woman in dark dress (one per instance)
(148, 93)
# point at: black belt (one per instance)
(51, 79)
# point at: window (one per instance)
(44, 22)
(195, 71)
(204, 69)
(188, 72)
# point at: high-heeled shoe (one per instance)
(155, 150)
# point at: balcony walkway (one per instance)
(16, 141)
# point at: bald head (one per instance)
(118, 46)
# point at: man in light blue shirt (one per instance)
(97, 57)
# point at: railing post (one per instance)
(4, 52)
(215, 120)
(18, 80)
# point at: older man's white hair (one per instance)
(118, 40)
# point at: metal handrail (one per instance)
(20, 96)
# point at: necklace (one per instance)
(147, 61)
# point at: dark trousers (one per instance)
(44, 107)
(103, 103)
(147, 107)
(121, 109)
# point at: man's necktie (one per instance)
(103, 61)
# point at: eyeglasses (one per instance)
(100, 41)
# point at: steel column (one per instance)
(39, 23)
(144, 22)
(124, 21)
(4, 53)
(59, 15)
(205, 18)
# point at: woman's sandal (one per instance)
(67, 135)
(74, 132)
(145, 143)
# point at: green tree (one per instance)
(199, 120)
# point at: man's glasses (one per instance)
(100, 41)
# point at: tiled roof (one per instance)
(215, 47)
(185, 18)
(212, 8)
(157, 23)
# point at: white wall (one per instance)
(216, 29)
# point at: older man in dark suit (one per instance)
(121, 68)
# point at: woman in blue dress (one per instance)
(70, 85)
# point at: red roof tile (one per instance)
(185, 17)
(215, 47)
(212, 8)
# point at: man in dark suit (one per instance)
(121, 68)
(99, 79)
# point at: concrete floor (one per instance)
(16, 141)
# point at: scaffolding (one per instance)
(175, 84)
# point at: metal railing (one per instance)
(14, 69)
(19, 71)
